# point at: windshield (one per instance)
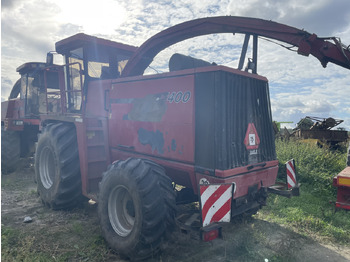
(105, 63)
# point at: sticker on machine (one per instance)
(251, 139)
(216, 203)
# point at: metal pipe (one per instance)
(244, 51)
(255, 54)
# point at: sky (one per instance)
(299, 86)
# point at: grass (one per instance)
(311, 212)
(17, 245)
(59, 235)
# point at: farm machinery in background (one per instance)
(277, 125)
(20, 115)
(282, 134)
(140, 144)
(319, 131)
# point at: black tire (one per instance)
(136, 207)
(57, 167)
(10, 150)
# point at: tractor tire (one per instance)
(136, 207)
(10, 150)
(57, 167)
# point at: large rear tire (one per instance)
(136, 207)
(10, 150)
(57, 167)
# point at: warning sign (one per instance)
(251, 139)
(216, 203)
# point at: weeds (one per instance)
(15, 246)
(315, 166)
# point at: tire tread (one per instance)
(158, 204)
(68, 192)
(10, 150)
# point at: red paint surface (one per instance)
(175, 124)
(343, 191)
(245, 179)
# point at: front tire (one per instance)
(136, 207)
(57, 167)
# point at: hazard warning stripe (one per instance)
(216, 203)
(210, 194)
(213, 195)
(291, 177)
(223, 213)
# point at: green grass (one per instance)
(311, 212)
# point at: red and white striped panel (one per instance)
(291, 175)
(216, 203)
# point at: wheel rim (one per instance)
(121, 211)
(47, 167)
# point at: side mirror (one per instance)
(49, 59)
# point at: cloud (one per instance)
(93, 18)
(6, 4)
(323, 17)
(289, 104)
(318, 107)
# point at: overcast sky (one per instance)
(299, 86)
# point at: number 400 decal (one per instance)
(178, 97)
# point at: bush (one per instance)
(315, 166)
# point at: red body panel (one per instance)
(263, 177)
(4, 106)
(12, 111)
(96, 97)
(342, 182)
(155, 125)
(184, 174)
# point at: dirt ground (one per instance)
(75, 235)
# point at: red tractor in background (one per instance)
(127, 140)
(20, 115)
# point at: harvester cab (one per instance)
(88, 58)
(23, 103)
